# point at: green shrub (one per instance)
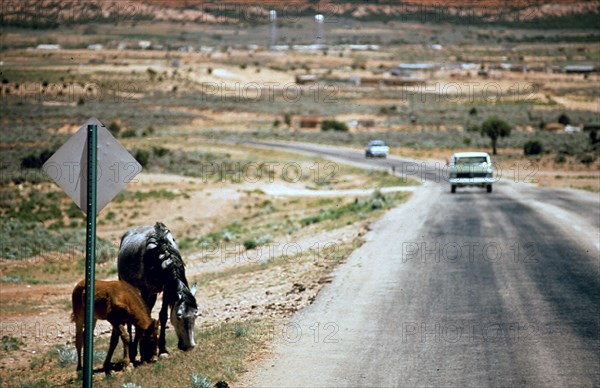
(560, 158)
(199, 381)
(65, 356)
(142, 156)
(564, 119)
(333, 125)
(587, 159)
(129, 133)
(114, 128)
(36, 160)
(10, 343)
(160, 151)
(533, 147)
(250, 244)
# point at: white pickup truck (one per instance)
(376, 148)
(470, 169)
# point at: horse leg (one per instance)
(80, 338)
(150, 300)
(114, 341)
(133, 341)
(162, 316)
(126, 343)
(79, 342)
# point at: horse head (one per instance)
(149, 342)
(183, 316)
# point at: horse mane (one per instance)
(171, 263)
(187, 296)
(161, 241)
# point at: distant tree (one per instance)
(594, 137)
(287, 119)
(564, 119)
(495, 128)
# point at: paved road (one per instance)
(466, 289)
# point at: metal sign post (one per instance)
(66, 168)
(90, 256)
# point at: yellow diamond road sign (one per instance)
(115, 166)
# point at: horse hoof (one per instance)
(129, 367)
(164, 355)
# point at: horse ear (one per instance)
(194, 289)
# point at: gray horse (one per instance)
(149, 259)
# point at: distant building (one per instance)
(417, 66)
(309, 122)
(48, 47)
(554, 127)
(302, 79)
(364, 47)
(144, 44)
(571, 129)
(591, 127)
(366, 123)
(96, 46)
(579, 69)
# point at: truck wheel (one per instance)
(489, 188)
(453, 189)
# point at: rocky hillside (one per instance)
(544, 14)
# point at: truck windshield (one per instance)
(471, 160)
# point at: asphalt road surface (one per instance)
(465, 289)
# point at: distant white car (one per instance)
(471, 169)
(377, 148)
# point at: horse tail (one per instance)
(77, 301)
